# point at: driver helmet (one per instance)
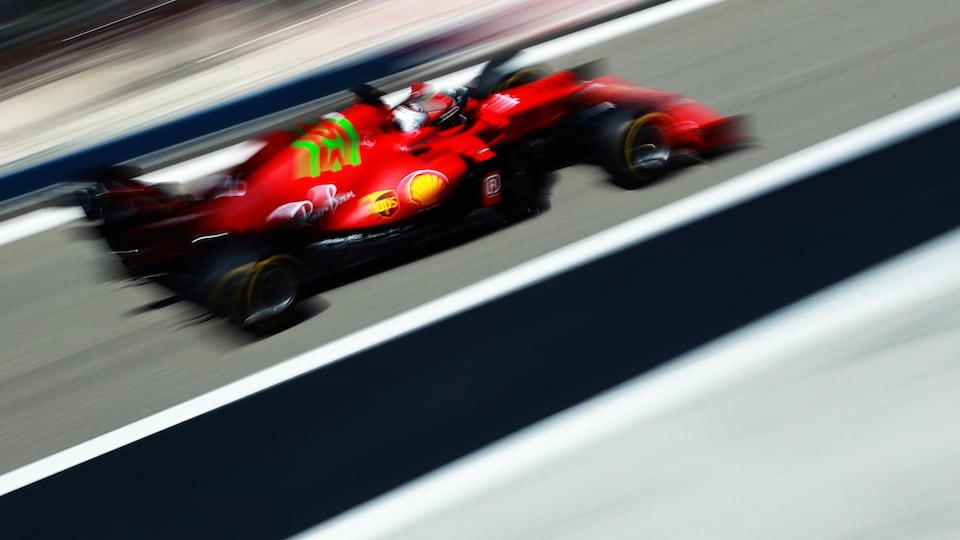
(427, 106)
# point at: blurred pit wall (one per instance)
(208, 69)
(43, 40)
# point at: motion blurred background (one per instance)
(74, 73)
(45, 40)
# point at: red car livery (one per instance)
(373, 178)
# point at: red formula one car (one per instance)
(375, 179)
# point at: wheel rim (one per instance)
(522, 76)
(274, 289)
(646, 146)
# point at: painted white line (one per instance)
(583, 39)
(37, 221)
(921, 275)
(617, 28)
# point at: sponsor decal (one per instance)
(491, 189)
(425, 188)
(326, 199)
(328, 147)
(321, 200)
(292, 212)
(385, 203)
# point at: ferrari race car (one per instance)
(375, 179)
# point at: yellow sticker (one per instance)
(385, 203)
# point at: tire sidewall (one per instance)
(618, 133)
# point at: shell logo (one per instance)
(425, 188)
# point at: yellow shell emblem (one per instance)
(426, 189)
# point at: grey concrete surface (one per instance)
(82, 356)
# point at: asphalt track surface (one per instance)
(83, 357)
(840, 429)
(305, 451)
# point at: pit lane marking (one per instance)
(37, 221)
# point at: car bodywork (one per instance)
(326, 195)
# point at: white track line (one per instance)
(583, 39)
(855, 143)
(35, 222)
(921, 275)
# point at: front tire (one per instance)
(636, 151)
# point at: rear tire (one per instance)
(258, 296)
(506, 72)
(520, 77)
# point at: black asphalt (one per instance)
(283, 460)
